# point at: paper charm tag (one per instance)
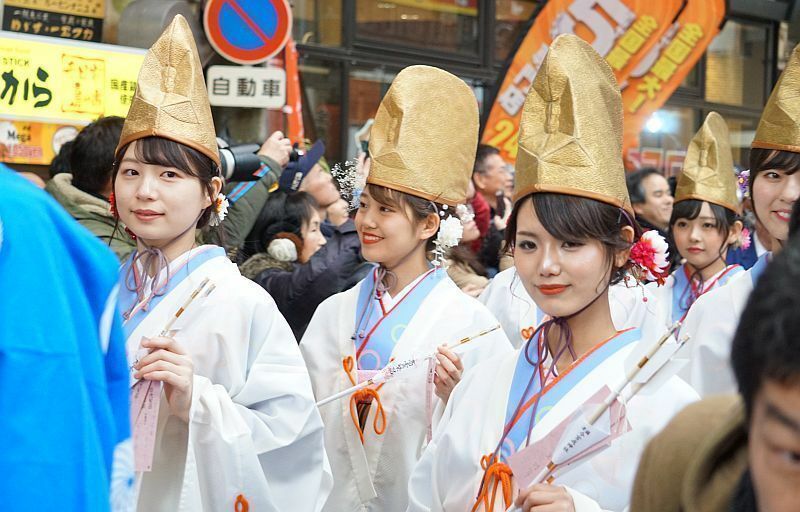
(580, 436)
(145, 402)
(568, 440)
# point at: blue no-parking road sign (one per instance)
(247, 31)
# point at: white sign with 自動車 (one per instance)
(246, 86)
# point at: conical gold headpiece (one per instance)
(708, 168)
(570, 138)
(779, 126)
(425, 135)
(171, 100)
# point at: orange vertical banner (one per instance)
(622, 31)
(667, 64)
(294, 102)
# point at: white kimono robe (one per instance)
(669, 297)
(508, 300)
(254, 429)
(374, 475)
(711, 324)
(449, 474)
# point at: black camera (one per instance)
(239, 163)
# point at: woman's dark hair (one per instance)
(168, 153)
(766, 345)
(420, 208)
(572, 218)
(91, 154)
(282, 213)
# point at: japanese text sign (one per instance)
(70, 19)
(245, 86)
(666, 65)
(68, 82)
(622, 31)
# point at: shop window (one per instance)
(736, 64)
(444, 25)
(322, 99)
(317, 22)
(511, 18)
(665, 137)
(742, 130)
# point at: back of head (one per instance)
(634, 181)
(766, 345)
(91, 156)
(484, 151)
(282, 213)
(60, 162)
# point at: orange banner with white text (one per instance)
(651, 84)
(622, 31)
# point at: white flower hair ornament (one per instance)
(450, 232)
(650, 258)
(351, 181)
(282, 249)
(220, 210)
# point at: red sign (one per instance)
(247, 31)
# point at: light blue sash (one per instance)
(127, 298)
(516, 438)
(377, 331)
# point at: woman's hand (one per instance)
(448, 372)
(545, 498)
(169, 363)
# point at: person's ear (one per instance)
(621, 256)
(735, 233)
(429, 226)
(216, 188)
(479, 180)
(637, 209)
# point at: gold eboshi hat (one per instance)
(779, 126)
(425, 135)
(708, 168)
(171, 100)
(570, 137)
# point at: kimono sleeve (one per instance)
(263, 436)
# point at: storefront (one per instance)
(351, 49)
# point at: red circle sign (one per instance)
(247, 31)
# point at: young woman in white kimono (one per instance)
(704, 223)
(422, 145)
(571, 231)
(237, 426)
(774, 188)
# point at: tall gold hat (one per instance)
(708, 168)
(171, 100)
(570, 137)
(779, 126)
(425, 135)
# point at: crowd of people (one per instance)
(433, 332)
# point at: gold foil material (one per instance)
(570, 137)
(779, 126)
(708, 168)
(171, 100)
(425, 135)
